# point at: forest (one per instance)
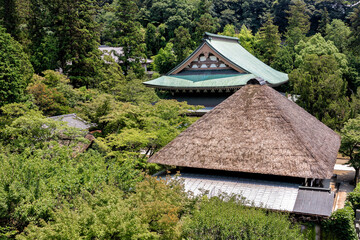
(50, 64)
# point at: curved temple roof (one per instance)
(228, 49)
(256, 130)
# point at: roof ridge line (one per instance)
(220, 36)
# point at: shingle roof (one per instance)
(256, 130)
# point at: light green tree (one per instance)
(319, 46)
(350, 140)
(165, 60)
(339, 34)
(246, 39)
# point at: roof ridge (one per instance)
(207, 34)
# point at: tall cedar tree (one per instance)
(128, 34)
(299, 24)
(268, 41)
(15, 69)
(43, 45)
(355, 27)
(9, 16)
(182, 43)
(78, 39)
(324, 21)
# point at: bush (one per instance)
(218, 219)
(340, 225)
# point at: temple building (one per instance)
(214, 71)
(261, 145)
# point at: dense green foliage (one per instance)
(219, 219)
(340, 225)
(15, 69)
(350, 140)
(50, 189)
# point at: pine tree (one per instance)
(78, 39)
(182, 43)
(299, 24)
(355, 27)
(129, 35)
(324, 21)
(268, 41)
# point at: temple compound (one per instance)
(214, 71)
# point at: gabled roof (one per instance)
(256, 130)
(228, 50)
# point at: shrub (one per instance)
(218, 219)
(340, 225)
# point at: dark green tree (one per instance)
(15, 69)
(206, 23)
(320, 89)
(9, 17)
(129, 35)
(298, 23)
(154, 39)
(183, 43)
(324, 21)
(268, 41)
(76, 32)
(280, 12)
(355, 27)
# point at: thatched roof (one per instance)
(256, 130)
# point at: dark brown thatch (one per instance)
(256, 130)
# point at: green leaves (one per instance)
(350, 139)
(217, 219)
(15, 69)
(341, 225)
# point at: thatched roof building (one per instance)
(256, 130)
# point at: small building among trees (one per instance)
(261, 145)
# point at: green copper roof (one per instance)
(230, 49)
(200, 81)
(235, 53)
(207, 34)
